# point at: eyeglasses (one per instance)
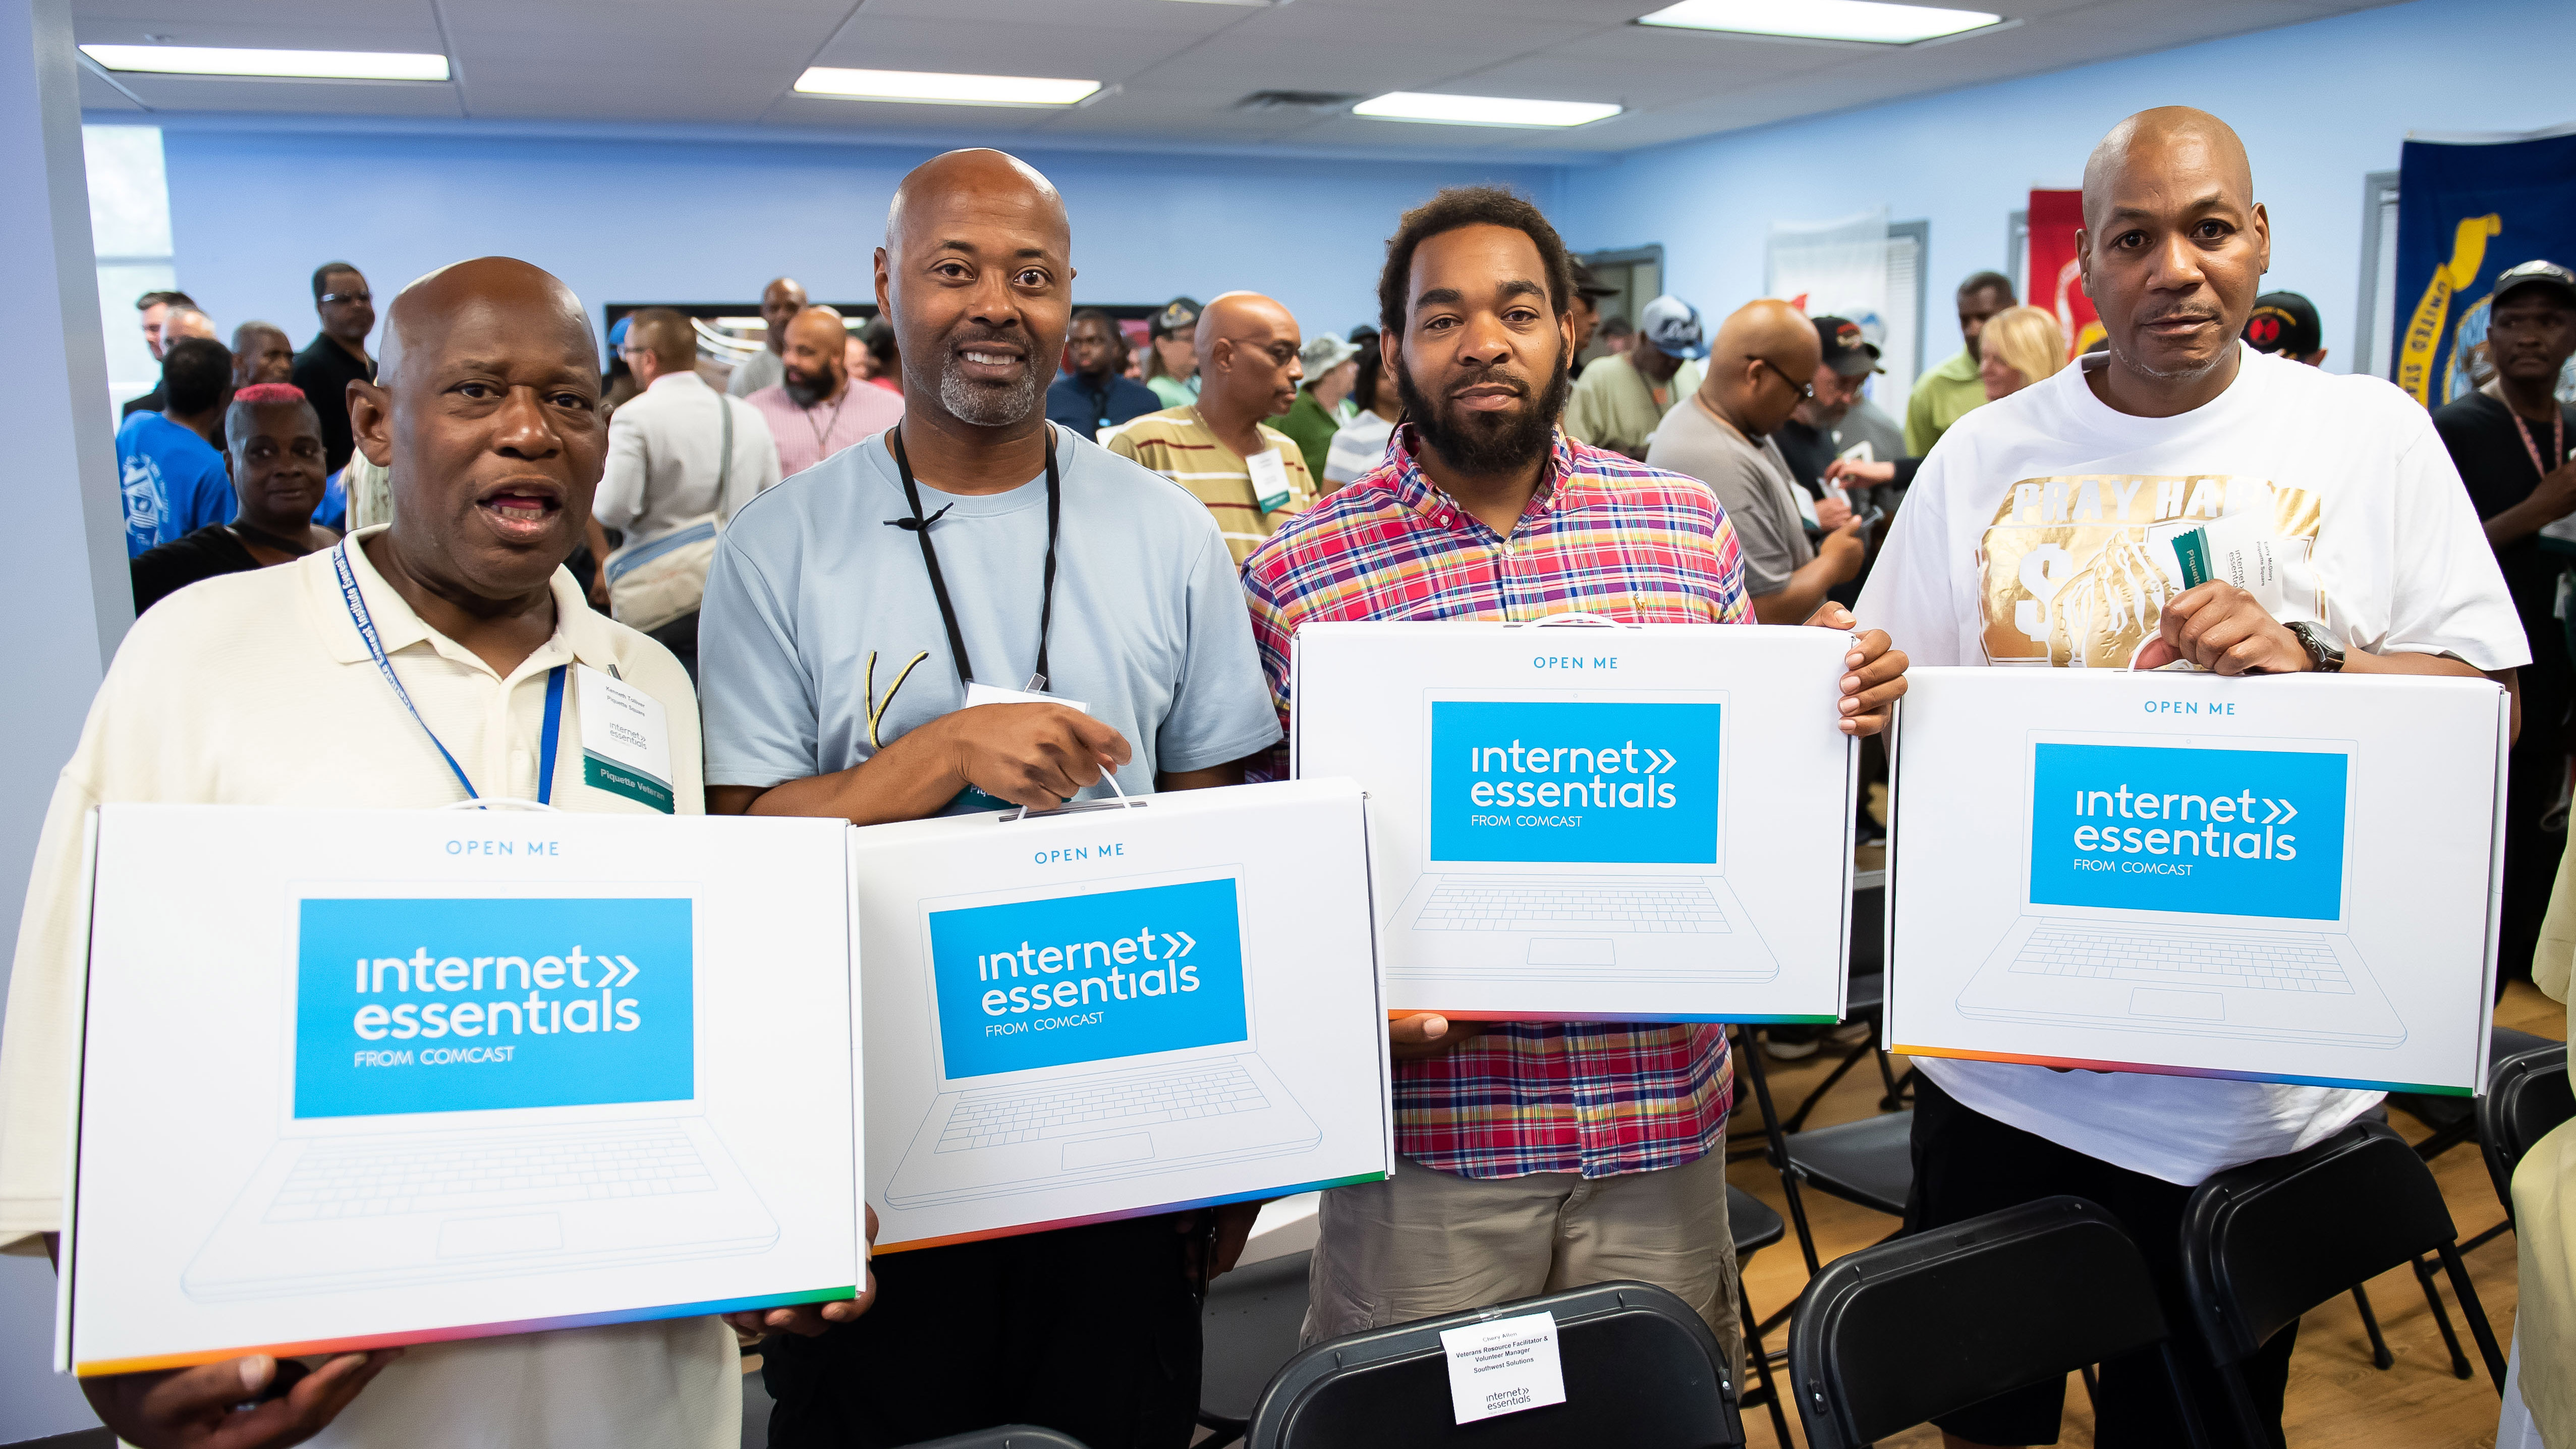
(1806, 391)
(347, 297)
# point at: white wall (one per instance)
(2320, 106)
(68, 588)
(646, 219)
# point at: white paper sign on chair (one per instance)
(1503, 1366)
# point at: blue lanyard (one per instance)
(366, 623)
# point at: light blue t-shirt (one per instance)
(820, 641)
(174, 482)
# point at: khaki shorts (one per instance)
(1426, 1243)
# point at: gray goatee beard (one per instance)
(984, 405)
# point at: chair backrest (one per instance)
(2527, 1095)
(2266, 1242)
(1008, 1436)
(1641, 1372)
(1892, 1335)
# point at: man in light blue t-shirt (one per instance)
(833, 675)
(173, 478)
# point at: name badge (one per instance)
(1502, 1366)
(994, 694)
(625, 740)
(971, 798)
(1269, 480)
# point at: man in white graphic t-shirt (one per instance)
(2023, 542)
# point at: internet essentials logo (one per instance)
(1089, 977)
(447, 1005)
(2154, 828)
(1591, 782)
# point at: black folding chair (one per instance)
(1009, 1436)
(2454, 1119)
(1869, 1162)
(2527, 1097)
(1893, 1335)
(2266, 1242)
(1248, 1329)
(1753, 1226)
(1641, 1372)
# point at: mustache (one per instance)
(1494, 375)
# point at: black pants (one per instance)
(1967, 1163)
(1090, 1331)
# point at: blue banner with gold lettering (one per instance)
(2465, 212)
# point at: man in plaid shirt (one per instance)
(1532, 1157)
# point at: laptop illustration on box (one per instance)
(1582, 830)
(2189, 885)
(1091, 1032)
(527, 1106)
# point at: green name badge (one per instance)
(2191, 550)
(619, 779)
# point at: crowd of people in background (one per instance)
(1487, 446)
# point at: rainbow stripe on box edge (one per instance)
(2088, 1064)
(1143, 1212)
(95, 1368)
(1604, 1018)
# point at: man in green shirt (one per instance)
(1946, 393)
(1619, 400)
(1322, 402)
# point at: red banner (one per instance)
(2054, 281)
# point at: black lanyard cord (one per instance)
(920, 529)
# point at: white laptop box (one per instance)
(1579, 820)
(355, 1078)
(1118, 1009)
(2281, 878)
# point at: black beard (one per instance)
(1483, 445)
(807, 392)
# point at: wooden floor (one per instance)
(2336, 1397)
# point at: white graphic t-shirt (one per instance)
(2025, 541)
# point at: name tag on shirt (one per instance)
(625, 740)
(994, 694)
(971, 798)
(1806, 508)
(1269, 480)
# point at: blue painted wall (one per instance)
(2320, 105)
(254, 209)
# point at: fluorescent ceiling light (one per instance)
(1483, 110)
(1863, 20)
(374, 65)
(923, 87)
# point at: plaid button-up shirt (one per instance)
(1605, 536)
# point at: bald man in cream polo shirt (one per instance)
(260, 689)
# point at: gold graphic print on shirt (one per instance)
(2075, 570)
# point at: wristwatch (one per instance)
(2323, 652)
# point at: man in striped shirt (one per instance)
(1533, 1157)
(1250, 475)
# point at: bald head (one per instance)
(1248, 365)
(532, 298)
(977, 276)
(1760, 365)
(2173, 252)
(979, 179)
(2162, 142)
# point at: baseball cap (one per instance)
(1323, 353)
(1588, 285)
(1847, 351)
(1178, 315)
(2285, 324)
(1672, 326)
(2535, 274)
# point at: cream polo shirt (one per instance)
(254, 689)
